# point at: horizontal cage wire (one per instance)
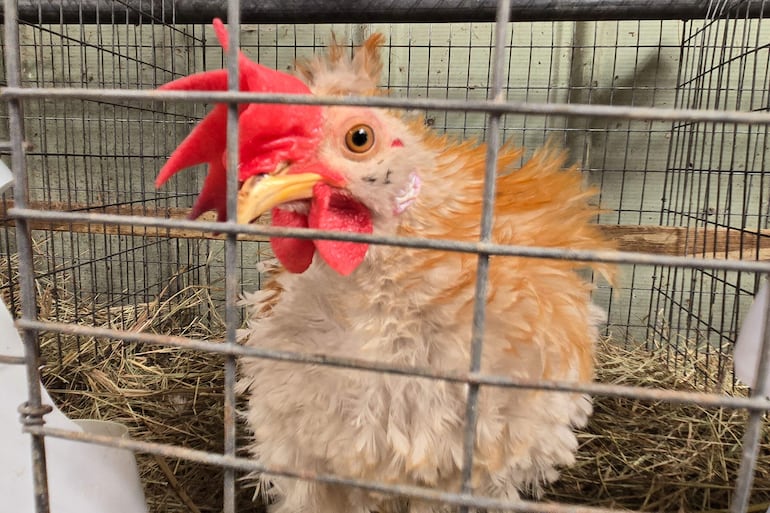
(131, 298)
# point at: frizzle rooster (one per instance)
(369, 170)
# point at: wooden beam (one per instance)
(712, 242)
(115, 229)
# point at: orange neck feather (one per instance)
(542, 203)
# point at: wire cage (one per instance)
(665, 108)
(714, 186)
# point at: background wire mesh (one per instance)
(687, 188)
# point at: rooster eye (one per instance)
(360, 138)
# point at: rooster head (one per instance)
(336, 168)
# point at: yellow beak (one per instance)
(259, 194)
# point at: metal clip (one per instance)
(33, 416)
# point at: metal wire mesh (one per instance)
(715, 186)
(437, 61)
(94, 156)
(90, 156)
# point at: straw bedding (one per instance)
(657, 456)
(649, 456)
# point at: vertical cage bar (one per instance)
(33, 411)
(752, 436)
(482, 273)
(231, 250)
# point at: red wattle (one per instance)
(296, 255)
(334, 209)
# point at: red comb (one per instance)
(268, 133)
